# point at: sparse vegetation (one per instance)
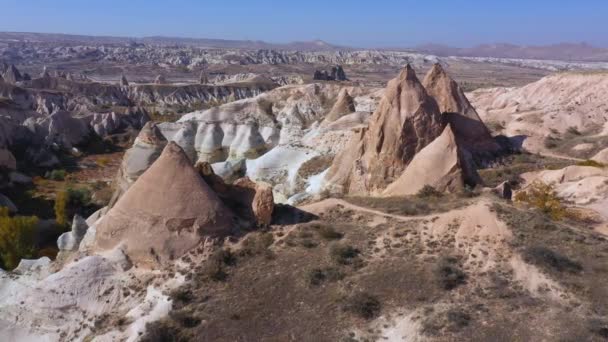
(565, 143)
(328, 233)
(513, 166)
(568, 251)
(343, 254)
(573, 130)
(317, 276)
(544, 198)
(428, 191)
(61, 207)
(163, 331)
(547, 257)
(592, 163)
(215, 267)
(363, 305)
(213, 270)
(17, 238)
(56, 175)
(448, 273)
(164, 117)
(411, 205)
(256, 244)
(551, 142)
(442, 322)
(103, 161)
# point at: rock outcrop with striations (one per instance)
(163, 216)
(407, 120)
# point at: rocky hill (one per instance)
(327, 211)
(562, 114)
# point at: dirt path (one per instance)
(559, 156)
(323, 205)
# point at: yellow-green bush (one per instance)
(103, 161)
(61, 205)
(543, 197)
(17, 238)
(590, 162)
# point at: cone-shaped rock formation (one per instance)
(443, 164)
(406, 121)
(165, 213)
(145, 150)
(344, 105)
(458, 111)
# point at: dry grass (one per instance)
(413, 205)
(513, 166)
(568, 251)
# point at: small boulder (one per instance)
(70, 241)
(260, 196)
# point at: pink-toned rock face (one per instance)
(165, 213)
(260, 199)
(344, 105)
(458, 111)
(406, 120)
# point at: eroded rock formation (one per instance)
(406, 121)
(162, 216)
(344, 105)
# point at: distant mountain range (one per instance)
(315, 45)
(563, 51)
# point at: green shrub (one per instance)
(79, 197)
(17, 238)
(56, 175)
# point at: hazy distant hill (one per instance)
(562, 51)
(316, 45)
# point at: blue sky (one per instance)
(373, 23)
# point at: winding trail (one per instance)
(325, 204)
